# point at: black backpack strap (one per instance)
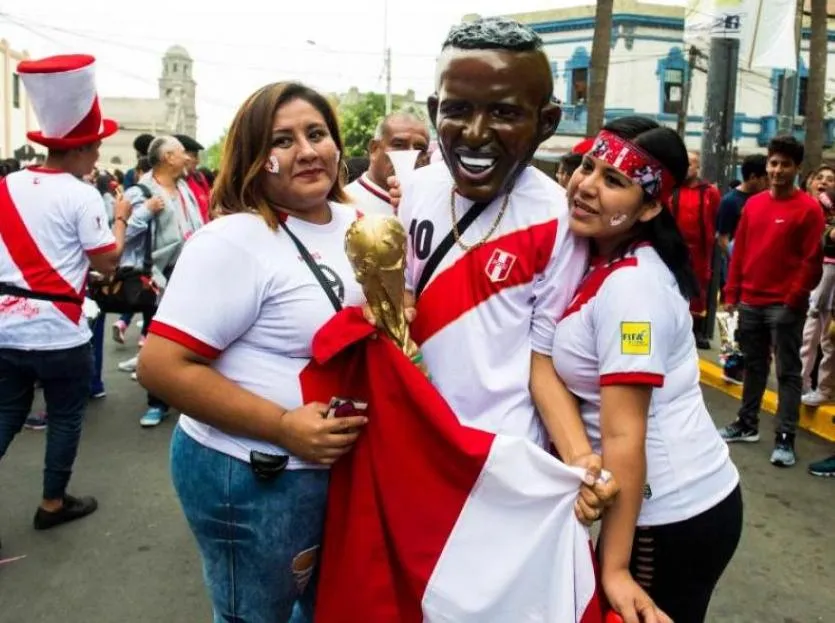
(446, 244)
(10, 290)
(314, 268)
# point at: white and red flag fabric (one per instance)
(432, 521)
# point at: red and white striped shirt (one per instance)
(50, 222)
(484, 310)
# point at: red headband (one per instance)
(634, 163)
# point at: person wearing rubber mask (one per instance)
(490, 261)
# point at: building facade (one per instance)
(16, 115)
(648, 69)
(173, 111)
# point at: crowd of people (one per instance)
(564, 312)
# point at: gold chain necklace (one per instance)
(490, 232)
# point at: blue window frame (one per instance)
(576, 76)
(672, 74)
(800, 96)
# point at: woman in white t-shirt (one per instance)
(625, 348)
(228, 344)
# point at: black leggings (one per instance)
(679, 564)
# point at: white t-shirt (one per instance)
(242, 295)
(50, 222)
(368, 197)
(629, 325)
(483, 311)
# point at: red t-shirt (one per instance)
(777, 255)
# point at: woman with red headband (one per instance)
(625, 348)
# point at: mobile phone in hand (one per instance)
(341, 407)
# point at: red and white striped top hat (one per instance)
(62, 90)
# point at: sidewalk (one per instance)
(819, 421)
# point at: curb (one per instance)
(819, 421)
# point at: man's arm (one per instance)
(809, 273)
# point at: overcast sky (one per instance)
(241, 45)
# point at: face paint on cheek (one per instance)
(617, 219)
(272, 165)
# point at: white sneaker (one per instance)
(133, 376)
(129, 365)
(814, 398)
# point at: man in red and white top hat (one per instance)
(53, 228)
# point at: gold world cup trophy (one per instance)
(376, 248)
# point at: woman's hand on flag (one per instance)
(599, 490)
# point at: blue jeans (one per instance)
(258, 540)
(96, 382)
(65, 376)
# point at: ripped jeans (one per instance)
(258, 540)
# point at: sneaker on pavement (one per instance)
(815, 398)
(133, 377)
(73, 508)
(141, 341)
(128, 365)
(783, 454)
(36, 421)
(119, 329)
(737, 431)
(153, 417)
(824, 468)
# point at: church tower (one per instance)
(176, 89)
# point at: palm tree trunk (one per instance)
(816, 87)
(599, 66)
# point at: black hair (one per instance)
(103, 180)
(142, 142)
(570, 162)
(661, 232)
(143, 164)
(753, 166)
(734, 183)
(787, 145)
(207, 173)
(493, 33)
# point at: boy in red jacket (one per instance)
(776, 263)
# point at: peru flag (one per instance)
(432, 521)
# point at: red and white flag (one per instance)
(432, 521)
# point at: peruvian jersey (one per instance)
(484, 310)
(629, 325)
(242, 296)
(368, 197)
(50, 222)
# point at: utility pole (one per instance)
(788, 107)
(388, 81)
(600, 48)
(387, 55)
(717, 136)
(816, 90)
(681, 122)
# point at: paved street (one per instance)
(134, 559)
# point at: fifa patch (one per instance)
(635, 338)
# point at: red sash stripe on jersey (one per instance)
(632, 378)
(38, 273)
(105, 248)
(592, 283)
(466, 284)
(184, 339)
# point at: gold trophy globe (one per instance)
(376, 248)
